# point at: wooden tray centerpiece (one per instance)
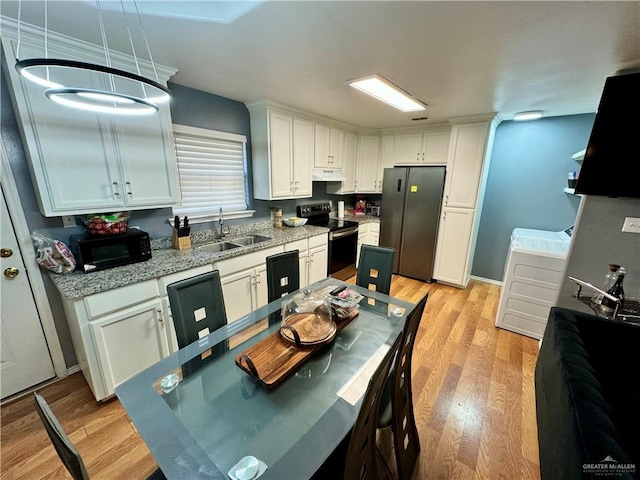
(274, 358)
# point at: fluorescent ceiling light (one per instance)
(387, 92)
(531, 115)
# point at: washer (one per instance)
(532, 279)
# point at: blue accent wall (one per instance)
(528, 172)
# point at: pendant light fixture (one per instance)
(111, 99)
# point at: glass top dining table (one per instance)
(203, 425)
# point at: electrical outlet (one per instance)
(69, 221)
(631, 225)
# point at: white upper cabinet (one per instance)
(349, 161)
(85, 162)
(375, 154)
(282, 153)
(422, 148)
(468, 147)
(329, 143)
(368, 177)
(302, 157)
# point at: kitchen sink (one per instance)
(218, 246)
(250, 240)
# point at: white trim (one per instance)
(488, 280)
(204, 132)
(75, 369)
(33, 269)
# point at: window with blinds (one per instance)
(212, 171)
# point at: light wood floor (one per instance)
(473, 399)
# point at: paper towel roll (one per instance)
(340, 209)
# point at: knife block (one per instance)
(180, 243)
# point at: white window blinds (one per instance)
(212, 172)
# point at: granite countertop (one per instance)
(360, 218)
(165, 260)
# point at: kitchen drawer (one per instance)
(183, 275)
(119, 298)
(248, 260)
(318, 240)
(300, 245)
(374, 227)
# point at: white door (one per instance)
(24, 356)
(452, 257)
(302, 157)
(237, 290)
(281, 155)
(129, 341)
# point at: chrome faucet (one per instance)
(582, 283)
(221, 233)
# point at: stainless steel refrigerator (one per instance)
(409, 218)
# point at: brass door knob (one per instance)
(5, 252)
(11, 272)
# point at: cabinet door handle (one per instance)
(128, 184)
(115, 189)
(160, 317)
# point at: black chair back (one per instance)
(197, 307)
(65, 449)
(364, 460)
(375, 268)
(398, 410)
(283, 274)
(67, 452)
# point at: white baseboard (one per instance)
(72, 370)
(488, 280)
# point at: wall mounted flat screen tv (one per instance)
(612, 158)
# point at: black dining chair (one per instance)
(358, 456)
(375, 268)
(197, 308)
(396, 409)
(283, 274)
(67, 452)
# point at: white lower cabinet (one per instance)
(244, 291)
(130, 341)
(314, 257)
(454, 244)
(117, 333)
(244, 282)
(368, 234)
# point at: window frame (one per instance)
(202, 217)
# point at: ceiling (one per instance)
(460, 58)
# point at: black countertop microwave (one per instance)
(95, 253)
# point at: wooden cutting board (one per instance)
(273, 359)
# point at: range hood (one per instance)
(612, 151)
(327, 175)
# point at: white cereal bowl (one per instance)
(294, 221)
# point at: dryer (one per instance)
(532, 279)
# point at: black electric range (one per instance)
(343, 238)
(319, 214)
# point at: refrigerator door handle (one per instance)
(399, 187)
